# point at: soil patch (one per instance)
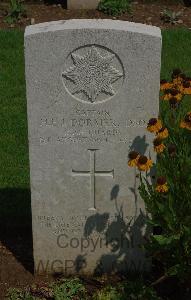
(142, 12)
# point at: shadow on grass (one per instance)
(16, 225)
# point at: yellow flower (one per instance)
(178, 97)
(187, 91)
(179, 88)
(177, 80)
(164, 85)
(162, 133)
(177, 77)
(158, 145)
(187, 88)
(133, 158)
(154, 125)
(143, 163)
(172, 93)
(188, 79)
(186, 123)
(166, 96)
(162, 186)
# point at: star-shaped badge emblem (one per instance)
(92, 74)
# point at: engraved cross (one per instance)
(93, 173)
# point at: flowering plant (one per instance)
(168, 198)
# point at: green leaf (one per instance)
(173, 271)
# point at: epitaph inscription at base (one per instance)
(92, 86)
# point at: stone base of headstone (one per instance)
(82, 4)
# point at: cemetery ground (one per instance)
(16, 262)
(146, 12)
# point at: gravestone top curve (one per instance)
(93, 24)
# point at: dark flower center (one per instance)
(174, 92)
(162, 129)
(187, 118)
(183, 76)
(173, 100)
(168, 91)
(176, 72)
(133, 155)
(161, 180)
(157, 142)
(152, 121)
(142, 160)
(163, 81)
(172, 149)
(186, 84)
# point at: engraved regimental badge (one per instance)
(93, 74)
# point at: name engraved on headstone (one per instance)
(88, 126)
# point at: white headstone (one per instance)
(92, 86)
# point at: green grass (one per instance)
(14, 165)
(14, 162)
(176, 51)
(70, 289)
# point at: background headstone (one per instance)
(92, 86)
(82, 4)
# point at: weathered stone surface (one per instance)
(82, 4)
(92, 85)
